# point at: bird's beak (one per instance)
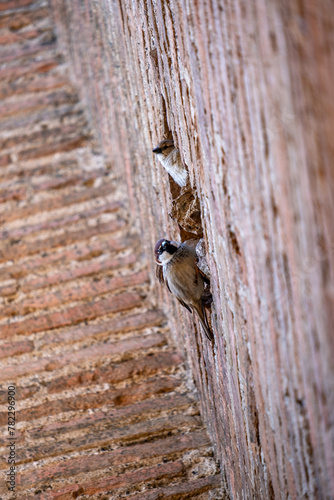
(157, 150)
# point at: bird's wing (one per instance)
(184, 304)
(160, 275)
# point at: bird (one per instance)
(170, 158)
(176, 267)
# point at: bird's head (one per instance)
(164, 148)
(164, 251)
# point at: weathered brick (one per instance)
(168, 470)
(18, 37)
(130, 454)
(59, 223)
(81, 292)
(81, 194)
(15, 4)
(43, 136)
(16, 194)
(79, 272)
(124, 324)
(149, 408)
(116, 372)
(61, 145)
(17, 20)
(25, 105)
(14, 249)
(93, 352)
(189, 489)
(120, 435)
(54, 257)
(15, 348)
(115, 397)
(72, 315)
(5, 160)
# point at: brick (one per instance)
(5, 160)
(28, 104)
(123, 324)
(79, 272)
(37, 117)
(83, 291)
(81, 194)
(183, 490)
(9, 38)
(168, 470)
(13, 194)
(59, 223)
(10, 73)
(128, 370)
(111, 435)
(72, 315)
(23, 52)
(9, 289)
(15, 4)
(17, 20)
(52, 167)
(63, 256)
(14, 249)
(130, 454)
(116, 397)
(15, 348)
(149, 408)
(62, 145)
(93, 352)
(43, 136)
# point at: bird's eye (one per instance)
(164, 246)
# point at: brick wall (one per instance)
(105, 407)
(245, 91)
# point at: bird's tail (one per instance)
(203, 320)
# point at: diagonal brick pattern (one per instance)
(104, 407)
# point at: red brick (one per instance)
(72, 315)
(43, 136)
(57, 147)
(63, 256)
(10, 289)
(14, 249)
(93, 352)
(13, 194)
(26, 172)
(123, 324)
(23, 52)
(183, 490)
(80, 292)
(26, 104)
(18, 20)
(171, 469)
(57, 201)
(18, 37)
(5, 160)
(116, 372)
(120, 436)
(59, 223)
(116, 397)
(15, 4)
(15, 348)
(137, 412)
(130, 454)
(79, 272)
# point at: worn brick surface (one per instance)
(245, 89)
(105, 404)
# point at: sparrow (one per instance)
(170, 158)
(176, 267)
